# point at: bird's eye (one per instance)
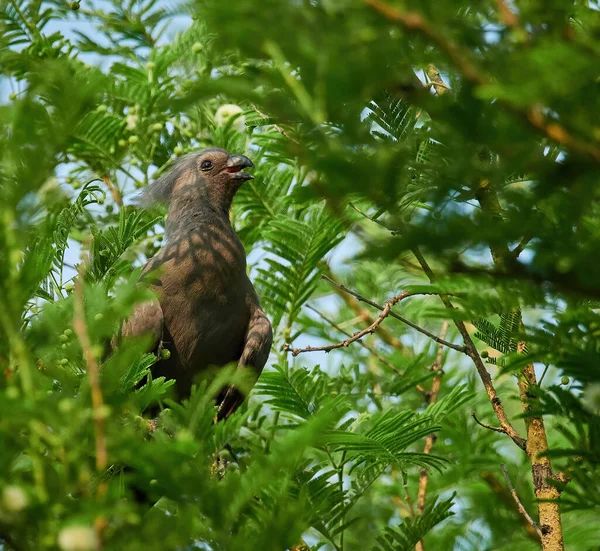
(206, 165)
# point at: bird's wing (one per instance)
(146, 319)
(257, 347)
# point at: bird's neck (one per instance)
(190, 210)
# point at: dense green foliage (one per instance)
(482, 186)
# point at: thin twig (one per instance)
(396, 316)
(471, 351)
(97, 401)
(502, 493)
(385, 312)
(520, 507)
(368, 319)
(378, 222)
(116, 194)
(430, 440)
(486, 426)
(389, 365)
(275, 126)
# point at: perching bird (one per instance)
(207, 312)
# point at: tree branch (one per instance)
(486, 426)
(430, 440)
(116, 194)
(93, 372)
(471, 351)
(532, 115)
(396, 316)
(385, 312)
(520, 507)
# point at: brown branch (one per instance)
(486, 426)
(93, 371)
(546, 493)
(396, 316)
(471, 351)
(533, 115)
(275, 126)
(301, 546)
(504, 495)
(385, 312)
(520, 507)
(389, 365)
(507, 17)
(436, 80)
(516, 252)
(430, 440)
(116, 194)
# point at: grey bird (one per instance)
(207, 313)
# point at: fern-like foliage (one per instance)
(108, 245)
(503, 338)
(412, 530)
(296, 247)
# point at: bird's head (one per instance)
(210, 175)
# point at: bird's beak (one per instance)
(234, 166)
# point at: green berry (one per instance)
(101, 200)
(178, 150)
(165, 354)
(68, 179)
(68, 332)
(12, 96)
(64, 346)
(69, 287)
(565, 380)
(485, 354)
(74, 6)
(76, 185)
(110, 208)
(12, 393)
(122, 143)
(99, 317)
(157, 127)
(63, 361)
(133, 139)
(196, 47)
(101, 108)
(63, 338)
(65, 405)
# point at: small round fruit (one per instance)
(12, 96)
(565, 380)
(133, 139)
(99, 317)
(485, 354)
(165, 354)
(74, 6)
(178, 150)
(157, 127)
(122, 143)
(196, 47)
